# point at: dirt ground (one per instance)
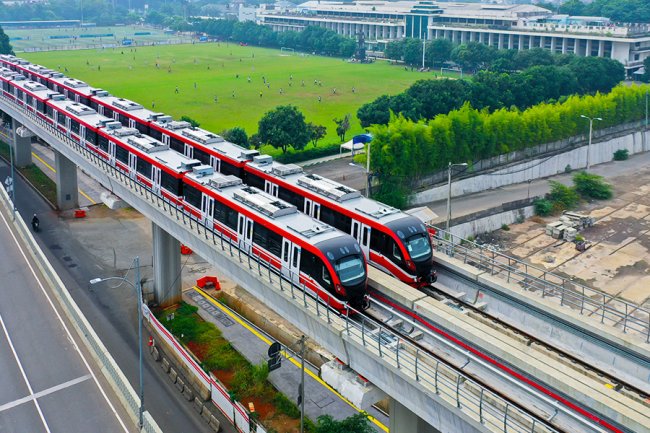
(617, 261)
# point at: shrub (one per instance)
(563, 197)
(543, 207)
(505, 227)
(592, 186)
(621, 155)
(286, 406)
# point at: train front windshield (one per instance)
(418, 247)
(351, 269)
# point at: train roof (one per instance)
(7, 73)
(204, 138)
(42, 70)
(158, 151)
(78, 86)
(13, 59)
(328, 190)
(84, 113)
(283, 214)
(37, 89)
(133, 108)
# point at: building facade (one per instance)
(503, 26)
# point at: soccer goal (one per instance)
(287, 50)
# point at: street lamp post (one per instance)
(591, 125)
(13, 183)
(138, 288)
(646, 109)
(464, 164)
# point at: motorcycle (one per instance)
(36, 224)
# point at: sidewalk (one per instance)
(253, 344)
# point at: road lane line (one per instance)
(43, 393)
(65, 327)
(22, 371)
(53, 170)
(290, 358)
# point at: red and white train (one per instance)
(392, 241)
(312, 254)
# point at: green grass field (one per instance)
(132, 73)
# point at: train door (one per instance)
(271, 188)
(116, 116)
(67, 126)
(133, 165)
(188, 151)
(215, 163)
(312, 208)
(131, 123)
(76, 98)
(290, 261)
(155, 179)
(165, 139)
(111, 152)
(82, 135)
(207, 209)
(245, 232)
(100, 109)
(361, 233)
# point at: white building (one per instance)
(502, 26)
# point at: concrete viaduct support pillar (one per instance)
(402, 420)
(22, 144)
(67, 192)
(166, 267)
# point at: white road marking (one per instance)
(81, 355)
(43, 393)
(22, 371)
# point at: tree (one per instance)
(438, 51)
(191, 121)
(563, 197)
(395, 50)
(342, 126)
(5, 46)
(439, 96)
(316, 132)
(596, 74)
(473, 55)
(283, 127)
(646, 75)
(376, 112)
(592, 186)
(236, 135)
(357, 423)
(413, 51)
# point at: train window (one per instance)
(377, 241)
(29, 99)
(286, 253)
(227, 168)
(155, 133)
(366, 231)
(225, 215)
(201, 156)
(40, 106)
(50, 112)
(326, 276)
(355, 230)
(142, 127)
(91, 136)
(121, 154)
(108, 112)
(19, 94)
(267, 239)
(193, 196)
(94, 105)
(122, 119)
(249, 229)
(102, 142)
(74, 126)
(260, 235)
(176, 144)
(295, 256)
(256, 181)
(144, 167)
(290, 197)
(61, 117)
(83, 101)
(170, 183)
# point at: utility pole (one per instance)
(302, 384)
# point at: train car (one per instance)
(311, 254)
(392, 241)
(32, 95)
(145, 159)
(76, 120)
(7, 76)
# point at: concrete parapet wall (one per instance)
(601, 152)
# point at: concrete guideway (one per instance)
(50, 383)
(352, 345)
(583, 388)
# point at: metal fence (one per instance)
(436, 377)
(590, 302)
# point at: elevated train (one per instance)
(392, 241)
(313, 255)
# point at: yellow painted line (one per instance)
(54, 171)
(609, 385)
(292, 360)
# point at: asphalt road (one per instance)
(111, 311)
(47, 382)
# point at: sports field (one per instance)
(213, 82)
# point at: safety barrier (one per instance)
(233, 410)
(87, 334)
(436, 377)
(609, 309)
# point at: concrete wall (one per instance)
(537, 168)
(489, 223)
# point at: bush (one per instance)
(592, 186)
(505, 227)
(621, 155)
(286, 406)
(563, 197)
(543, 207)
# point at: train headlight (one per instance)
(339, 288)
(410, 265)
